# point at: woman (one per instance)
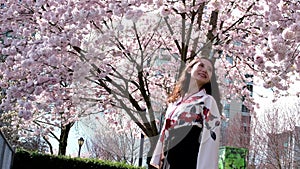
(191, 132)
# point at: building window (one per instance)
(244, 109)
(226, 112)
(226, 106)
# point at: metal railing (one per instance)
(6, 153)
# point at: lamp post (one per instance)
(141, 150)
(80, 143)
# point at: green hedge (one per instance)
(32, 160)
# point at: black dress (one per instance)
(182, 148)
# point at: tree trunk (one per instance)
(63, 140)
(153, 141)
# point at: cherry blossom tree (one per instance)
(49, 47)
(226, 31)
(36, 73)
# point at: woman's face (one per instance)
(202, 72)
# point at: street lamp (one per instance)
(141, 150)
(80, 143)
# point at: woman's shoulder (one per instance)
(210, 101)
(211, 104)
(209, 97)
